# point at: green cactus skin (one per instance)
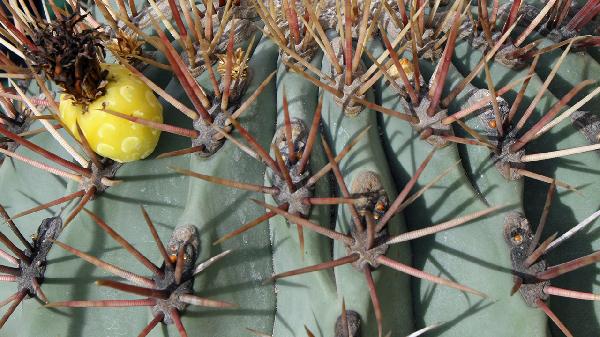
(393, 288)
(470, 254)
(308, 299)
(217, 210)
(474, 254)
(568, 208)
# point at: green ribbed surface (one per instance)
(474, 254)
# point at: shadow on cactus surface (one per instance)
(286, 168)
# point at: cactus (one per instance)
(299, 168)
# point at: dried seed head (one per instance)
(68, 56)
(125, 45)
(239, 69)
(406, 66)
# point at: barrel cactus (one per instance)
(299, 168)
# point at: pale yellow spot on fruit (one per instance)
(154, 132)
(138, 114)
(131, 144)
(105, 129)
(127, 93)
(104, 148)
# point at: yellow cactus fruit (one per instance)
(111, 136)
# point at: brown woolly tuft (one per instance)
(69, 57)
